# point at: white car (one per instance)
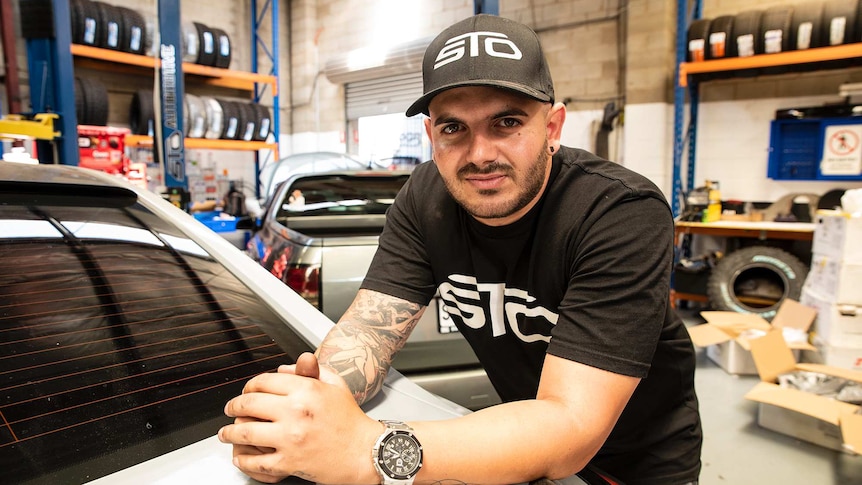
(126, 325)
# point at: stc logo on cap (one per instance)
(455, 47)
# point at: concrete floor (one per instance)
(737, 451)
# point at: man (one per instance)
(555, 266)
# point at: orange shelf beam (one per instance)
(846, 51)
(210, 75)
(204, 143)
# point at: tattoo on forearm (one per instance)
(361, 347)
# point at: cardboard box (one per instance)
(844, 357)
(809, 417)
(727, 335)
(836, 324)
(837, 235)
(838, 281)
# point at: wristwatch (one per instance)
(397, 454)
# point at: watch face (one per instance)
(400, 455)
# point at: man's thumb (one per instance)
(307, 366)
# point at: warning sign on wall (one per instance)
(842, 150)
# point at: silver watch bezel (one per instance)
(393, 430)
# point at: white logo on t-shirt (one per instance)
(505, 304)
(455, 47)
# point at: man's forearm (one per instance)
(361, 347)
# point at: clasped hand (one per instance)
(301, 421)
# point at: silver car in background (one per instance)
(319, 234)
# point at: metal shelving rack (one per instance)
(50, 61)
(686, 82)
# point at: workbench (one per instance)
(797, 231)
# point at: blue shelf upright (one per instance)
(681, 136)
(48, 36)
(271, 52)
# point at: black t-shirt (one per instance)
(584, 276)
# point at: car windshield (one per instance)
(333, 194)
(121, 339)
(272, 175)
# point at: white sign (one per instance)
(842, 150)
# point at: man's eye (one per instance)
(509, 122)
(449, 129)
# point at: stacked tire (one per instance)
(100, 24)
(776, 29)
(206, 117)
(91, 102)
(107, 26)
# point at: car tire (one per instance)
(134, 30)
(264, 122)
(806, 28)
(214, 118)
(207, 45)
(223, 48)
(698, 33)
(142, 113)
(196, 109)
(231, 119)
(719, 45)
(756, 279)
(94, 102)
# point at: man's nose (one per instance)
(482, 149)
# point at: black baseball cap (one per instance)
(485, 50)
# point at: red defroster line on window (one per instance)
(138, 407)
(140, 334)
(123, 364)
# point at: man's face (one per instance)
(491, 148)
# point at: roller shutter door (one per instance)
(393, 94)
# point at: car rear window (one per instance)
(120, 340)
(340, 194)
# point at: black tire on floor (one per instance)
(806, 29)
(756, 280)
(719, 45)
(142, 113)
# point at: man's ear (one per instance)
(554, 126)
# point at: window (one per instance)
(120, 340)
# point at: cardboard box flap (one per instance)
(705, 335)
(792, 314)
(772, 356)
(822, 408)
(736, 322)
(851, 431)
(853, 375)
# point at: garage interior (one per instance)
(744, 115)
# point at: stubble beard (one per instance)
(483, 207)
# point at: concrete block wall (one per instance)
(598, 50)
